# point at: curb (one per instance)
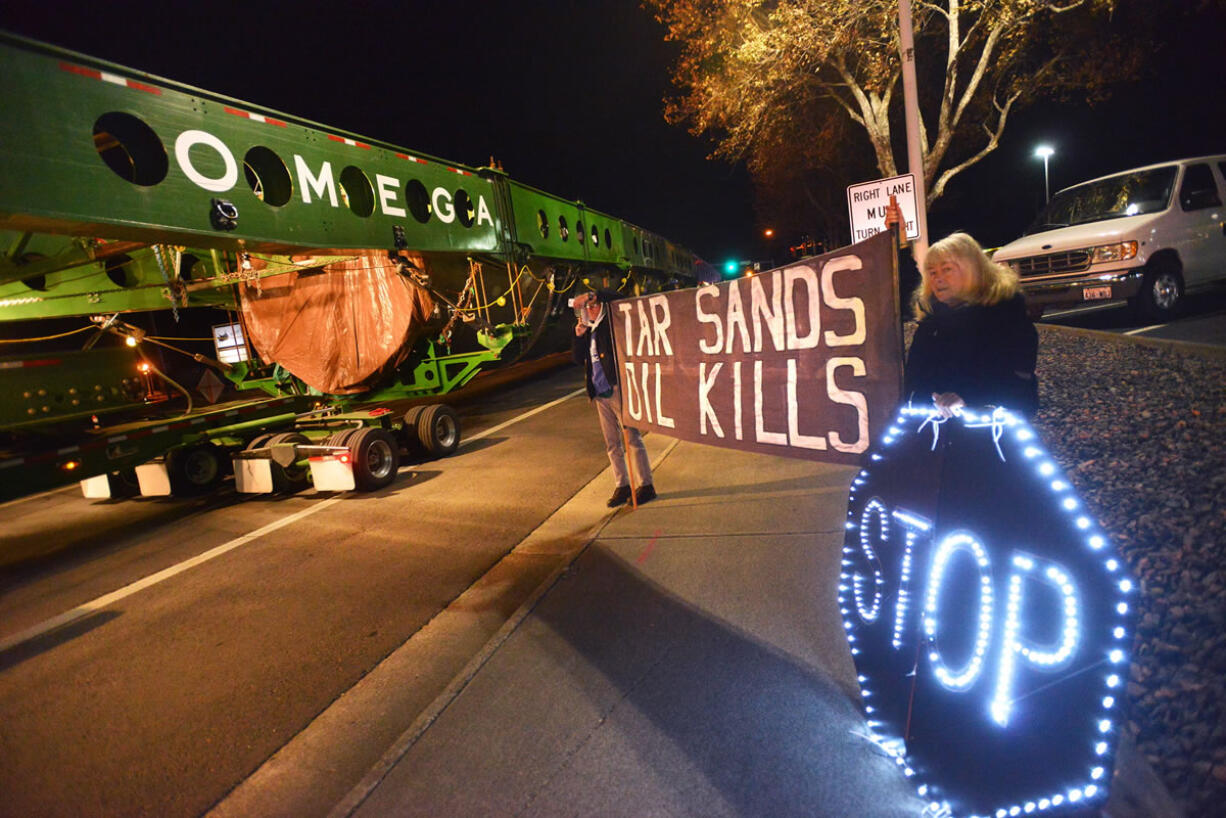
(374, 777)
(1211, 351)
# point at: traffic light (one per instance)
(731, 267)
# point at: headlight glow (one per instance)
(1120, 251)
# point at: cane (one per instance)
(634, 500)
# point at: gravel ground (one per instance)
(1141, 430)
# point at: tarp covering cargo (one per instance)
(341, 327)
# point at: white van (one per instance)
(1144, 234)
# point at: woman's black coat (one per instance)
(985, 354)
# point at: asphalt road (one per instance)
(1201, 319)
(161, 699)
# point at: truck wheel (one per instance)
(123, 484)
(195, 470)
(408, 430)
(1161, 291)
(340, 438)
(438, 430)
(291, 478)
(376, 458)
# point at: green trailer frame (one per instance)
(123, 192)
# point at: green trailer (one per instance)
(143, 222)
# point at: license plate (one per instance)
(1095, 293)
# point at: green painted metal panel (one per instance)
(92, 148)
(96, 149)
(106, 174)
(132, 281)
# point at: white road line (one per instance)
(153, 579)
(51, 493)
(1144, 329)
(524, 416)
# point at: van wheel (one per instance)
(376, 458)
(1161, 291)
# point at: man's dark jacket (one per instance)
(985, 354)
(582, 344)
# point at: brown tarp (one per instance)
(340, 328)
(803, 361)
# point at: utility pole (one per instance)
(915, 153)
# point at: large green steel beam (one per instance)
(95, 149)
(55, 277)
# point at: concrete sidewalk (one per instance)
(689, 661)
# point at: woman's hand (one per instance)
(948, 404)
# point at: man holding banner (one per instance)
(593, 348)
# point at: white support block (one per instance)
(154, 479)
(253, 475)
(332, 473)
(96, 488)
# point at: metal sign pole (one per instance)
(915, 153)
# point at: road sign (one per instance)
(866, 202)
(988, 615)
(210, 386)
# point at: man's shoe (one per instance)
(644, 494)
(620, 496)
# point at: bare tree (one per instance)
(749, 70)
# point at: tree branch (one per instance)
(993, 142)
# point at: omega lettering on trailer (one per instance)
(988, 617)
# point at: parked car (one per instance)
(1144, 234)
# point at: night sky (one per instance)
(567, 95)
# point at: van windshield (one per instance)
(1128, 194)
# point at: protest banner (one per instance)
(801, 361)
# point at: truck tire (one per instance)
(438, 430)
(123, 484)
(292, 478)
(408, 430)
(341, 438)
(376, 458)
(1160, 293)
(195, 470)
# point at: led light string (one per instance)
(999, 421)
(937, 421)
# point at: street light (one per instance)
(1045, 151)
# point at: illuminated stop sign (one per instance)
(987, 615)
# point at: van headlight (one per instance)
(1106, 253)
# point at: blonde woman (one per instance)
(975, 345)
